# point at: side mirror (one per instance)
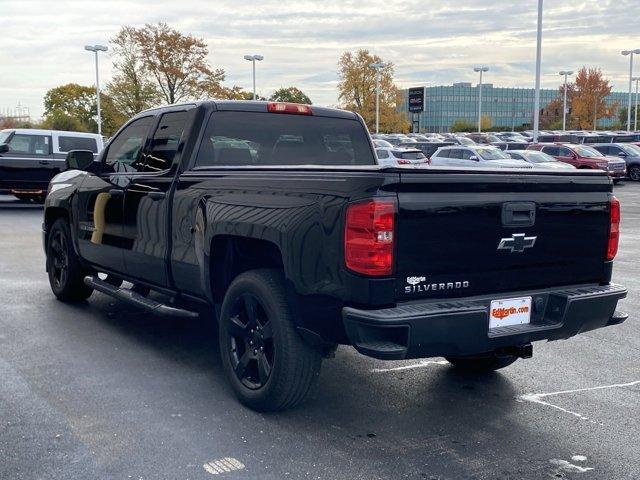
(4, 148)
(473, 157)
(79, 159)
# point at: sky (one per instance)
(430, 42)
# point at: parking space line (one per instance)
(223, 465)
(424, 363)
(537, 397)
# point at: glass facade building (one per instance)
(508, 108)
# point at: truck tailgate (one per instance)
(470, 234)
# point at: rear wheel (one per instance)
(480, 364)
(266, 361)
(66, 274)
(634, 173)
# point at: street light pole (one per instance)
(95, 49)
(630, 53)
(635, 121)
(253, 59)
(378, 66)
(480, 69)
(536, 106)
(564, 107)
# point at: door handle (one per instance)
(43, 162)
(156, 195)
(116, 192)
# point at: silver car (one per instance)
(475, 157)
(539, 159)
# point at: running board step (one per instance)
(137, 300)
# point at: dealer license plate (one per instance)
(510, 311)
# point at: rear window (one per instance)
(410, 155)
(253, 138)
(66, 144)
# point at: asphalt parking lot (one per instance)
(99, 390)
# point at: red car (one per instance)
(583, 156)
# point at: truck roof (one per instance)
(37, 131)
(254, 106)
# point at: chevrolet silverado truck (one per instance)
(277, 218)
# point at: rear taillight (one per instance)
(369, 237)
(292, 108)
(614, 228)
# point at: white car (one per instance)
(394, 156)
(475, 157)
(539, 159)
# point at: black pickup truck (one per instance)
(277, 217)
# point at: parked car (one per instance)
(428, 148)
(381, 143)
(583, 156)
(295, 246)
(475, 157)
(30, 158)
(458, 139)
(629, 152)
(393, 156)
(539, 159)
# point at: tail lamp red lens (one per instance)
(614, 228)
(291, 108)
(369, 237)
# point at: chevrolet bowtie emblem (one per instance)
(517, 243)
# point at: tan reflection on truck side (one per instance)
(99, 217)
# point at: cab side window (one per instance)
(382, 153)
(30, 144)
(565, 152)
(165, 141)
(125, 152)
(553, 151)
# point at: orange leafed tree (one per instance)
(357, 91)
(588, 99)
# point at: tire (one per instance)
(634, 173)
(66, 274)
(281, 370)
(481, 364)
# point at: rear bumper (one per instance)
(460, 327)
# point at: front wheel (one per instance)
(481, 364)
(267, 363)
(634, 173)
(66, 275)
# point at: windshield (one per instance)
(587, 152)
(632, 150)
(492, 154)
(465, 141)
(4, 135)
(539, 157)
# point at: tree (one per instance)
(178, 63)
(357, 91)
(73, 107)
(463, 125)
(131, 89)
(588, 100)
(622, 117)
(290, 94)
(485, 122)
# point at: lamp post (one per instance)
(564, 105)
(95, 49)
(635, 121)
(378, 66)
(480, 70)
(253, 59)
(630, 53)
(536, 102)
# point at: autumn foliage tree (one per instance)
(357, 91)
(588, 99)
(132, 89)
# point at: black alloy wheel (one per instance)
(59, 263)
(250, 337)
